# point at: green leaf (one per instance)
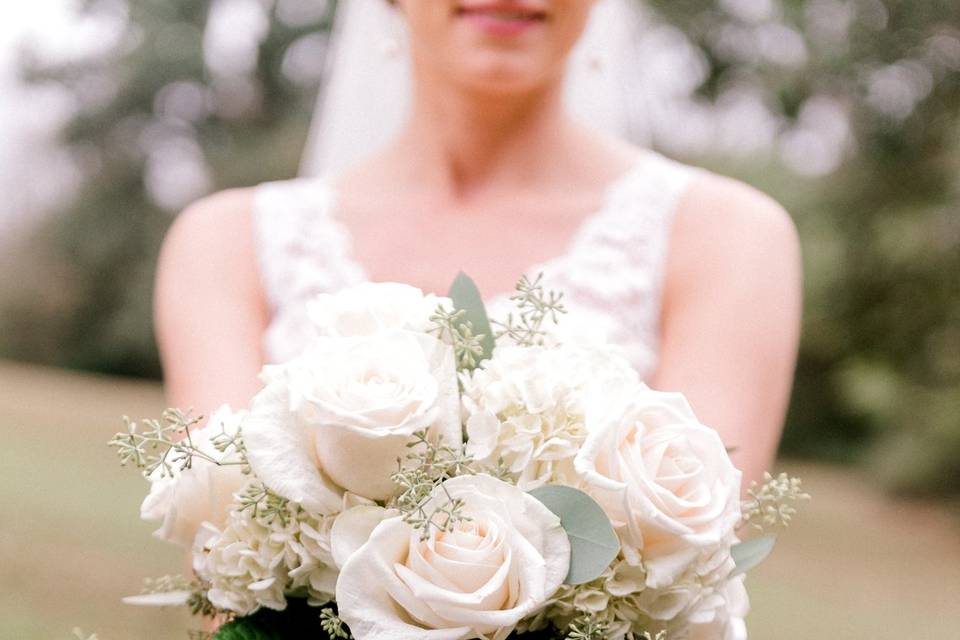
(747, 555)
(247, 628)
(593, 542)
(466, 296)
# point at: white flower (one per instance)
(244, 564)
(476, 581)
(200, 493)
(525, 406)
(726, 619)
(253, 562)
(665, 480)
(621, 599)
(339, 416)
(370, 307)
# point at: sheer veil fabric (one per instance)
(367, 90)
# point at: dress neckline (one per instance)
(608, 205)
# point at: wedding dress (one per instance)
(611, 273)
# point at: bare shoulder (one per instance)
(210, 221)
(212, 234)
(210, 246)
(723, 226)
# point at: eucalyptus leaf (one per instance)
(747, 555)
(466, 296)
(247, 629)
(593, 542)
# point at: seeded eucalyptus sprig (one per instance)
(587, 627)
(197, 601)
(422, 471)
(265, 505)
(772, 504)
(334, 625)
(535, 305)
(453, 326)
(167, 444)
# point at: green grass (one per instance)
(855, 566)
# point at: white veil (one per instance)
(367, 87)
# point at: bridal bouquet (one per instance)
(421, 471)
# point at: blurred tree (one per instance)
(192, 97)
(880, 358)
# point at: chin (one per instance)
(503, 73)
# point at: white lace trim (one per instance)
(612, 273)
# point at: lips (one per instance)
(502, 11)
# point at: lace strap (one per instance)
(300, 250)
(619, 263)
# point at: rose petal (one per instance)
(399, 586)
(281, 455)
(352, 529)
(363, 398)
(364, 590)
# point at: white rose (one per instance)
(526, 406)
(200, 493)
(476, 581)
(371, 307)
(665, 480)
(339, 416)
(727, 620)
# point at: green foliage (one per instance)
(265, 505)
(587, 628)
(333, 625)
(77, 291)
(534, 307)
(469, 325)
(167, 445)
(747, 555)
(772, 504)
(299, 620)
(455, 326)
(879, 367)
(425, 469)
(593, 542)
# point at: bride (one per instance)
(696, 276)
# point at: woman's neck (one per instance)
(459, 140)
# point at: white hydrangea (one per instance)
(703, 599)
(255, 563)
(525, 408)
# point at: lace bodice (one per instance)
(612, 272)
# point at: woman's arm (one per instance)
(209, 308)
(731, 316)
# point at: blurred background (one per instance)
(115, 114)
